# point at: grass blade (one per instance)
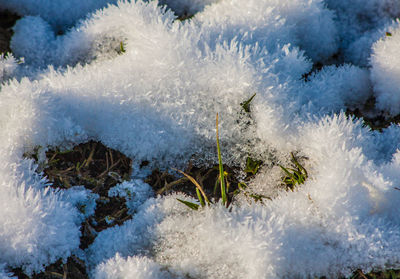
(217, 182)
(121, 48)
(195, 183)
(221, 169)
(200, 198)
(252, 165)
(189, 204)
(287, 172)
(300, 167)
(246, 104)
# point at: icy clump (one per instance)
(136, 192)
(359, 50)
(135, 236)
(36, 42)
(334, 88)
(83, 200)
(359, 22)
(384, 144)
(8, 65)
(37, 228)
(131, 268)
(32, 30)
(385, 72)
(60, 14)
(307, 24)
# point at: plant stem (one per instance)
(221, 169)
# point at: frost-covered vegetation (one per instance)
(133, 76)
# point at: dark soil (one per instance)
(7, 21)
(73, 269)
(378, 121)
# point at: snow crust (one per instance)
(133, 77)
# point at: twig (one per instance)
(65, 268)
(171, 184)
(111, 167)
(56, 274)
(90, 158)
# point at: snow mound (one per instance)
(334, 88)
(360, 23)
(306, 24)
(130, 268)
(37, 228)
(60, 14)
(385, 62)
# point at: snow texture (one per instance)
(185, 8)
(140, 81)
(360, 23)
(385, 72)
(4, 274)
(8, 65)
(130, 268)
(83, 200)
(136, 192)
(60, 14)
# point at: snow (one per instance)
(136, 192)
(155, 99)
(4, 274)
(385, 62)
(132, 267)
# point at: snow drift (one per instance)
(138, 80)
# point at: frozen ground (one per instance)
(130, 75)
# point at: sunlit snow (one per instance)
(68, 82)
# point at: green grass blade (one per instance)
(221, 169)
(252, 165)
(216, 186)
(300, 167)
(246, 104)
(121, 48)
(198, 186)
(289, 174)
(200, 198)
(189, 204)
(227, 184)
(242, 185)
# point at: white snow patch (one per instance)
(155, 99)
(385, 72)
